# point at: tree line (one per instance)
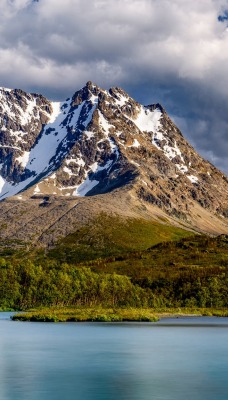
(26, 284)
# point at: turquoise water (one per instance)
(175, 359)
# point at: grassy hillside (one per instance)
(112, 236)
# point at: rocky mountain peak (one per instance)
(88, 92)
(98, 141)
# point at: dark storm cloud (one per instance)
(173, 52)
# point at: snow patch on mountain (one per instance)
(104, 123)
(170, 151)
(89, 134)
(23, 160)
(122, 100)
(9, 189)
(36, 190)
(68, 171)
(38, 158)
(85, 187)
(28, 114)
(135, 144)
(2, 183)
(9, 147)
(3, 89)
(182, 168)
(94, 99)
(56, 107)
(45, 149)
(17, 135)
(89, 182)
(192, 178)
(148, 121)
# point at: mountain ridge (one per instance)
(107, 146)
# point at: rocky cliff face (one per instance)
(99, 141)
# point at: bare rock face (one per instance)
(99, 142)
(22, 117)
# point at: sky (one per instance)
(173, 52)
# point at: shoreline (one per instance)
(113, 314)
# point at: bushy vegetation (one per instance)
(27, 285)
(190, 273)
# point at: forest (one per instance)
(191, 272)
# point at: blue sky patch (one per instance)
(223, 17)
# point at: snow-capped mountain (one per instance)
(98, 141)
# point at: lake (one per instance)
(174, 359)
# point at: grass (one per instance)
(99, 314)
(109, 236)
(96, 314)
(105, 236)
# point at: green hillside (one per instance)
(112, 263)
(111, 236)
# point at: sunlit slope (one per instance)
(112, 236)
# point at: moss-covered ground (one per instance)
(99, 314)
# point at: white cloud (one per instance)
(182, 38)
(54, 44)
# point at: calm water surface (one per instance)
(175, 359)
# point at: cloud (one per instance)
(175, 52)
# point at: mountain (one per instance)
(100, 150)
